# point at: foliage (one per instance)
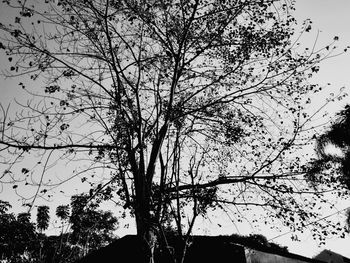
(62, 212)
(20, 242)
(17, 236)
(182, 107)
(91, 228)
(337, 136)
(43, 217)
(332, 148)
(333, 155)
(4, 207)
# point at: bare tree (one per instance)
(191, 105)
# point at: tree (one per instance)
(337, 136)
(190, 105)
(91, 228)
(17, 236)
(332, 164)
(5, 222)
(43, 218)
(20, 241)
(62, 212)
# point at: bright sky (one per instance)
(332, 18)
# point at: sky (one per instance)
(330, 18)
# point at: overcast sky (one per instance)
(331, 18)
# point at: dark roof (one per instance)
(327, 255)
(262, 248)
(127, 247)
(202, 249)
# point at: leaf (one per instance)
(315, 69)
(52, 89)
(16, 33)
(25, 170)
(64, 126)
(26, 12)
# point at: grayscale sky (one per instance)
(330, 18)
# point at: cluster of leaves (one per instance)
(18, 235)
(24, 241)
(332, 165)
(90, 226)
(338, 136)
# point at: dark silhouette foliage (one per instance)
(333, 151)
(21, 243)
(91, 227)
(43, 218)
(62, 212)
(18, 236)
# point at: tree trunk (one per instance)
(146, 233)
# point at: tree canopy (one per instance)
(24, 241)
(332, 148)
(181, 107)
(332, 164)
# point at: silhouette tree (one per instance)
(332, 164)
(338, 136)
(5, 223)
(182, 106)
(91, 228)
(17, 236)
(43, 218)
(21, 241)
(62, 212)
